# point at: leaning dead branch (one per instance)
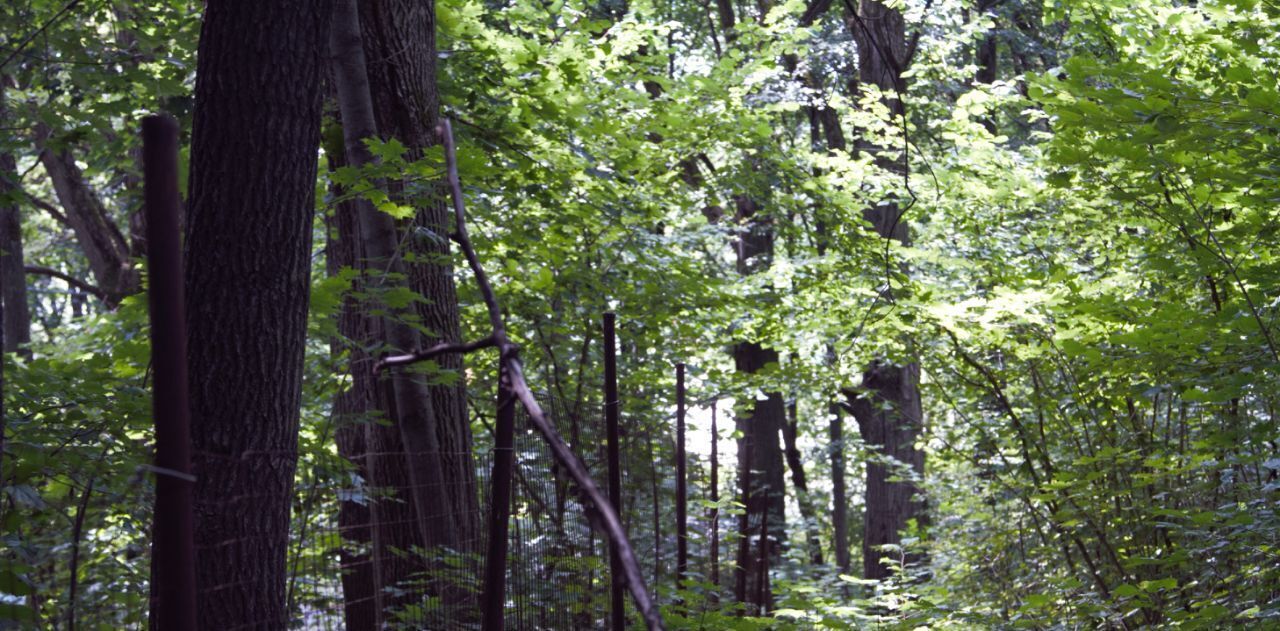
(602, 512)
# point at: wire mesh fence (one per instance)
(86, 563)
(339, 574)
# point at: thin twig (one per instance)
(36, 33)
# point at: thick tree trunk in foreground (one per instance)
(254, 152)
(400, 48)
(889, 413)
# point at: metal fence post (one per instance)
(682, 491)
(173, 576)
(616, 605)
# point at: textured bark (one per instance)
(404, 465)
(760, 452)
(888, 412)
(255, 136)
(13, 284)
(400, 46)
(99, 237)
(889, 420)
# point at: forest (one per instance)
(640, 314)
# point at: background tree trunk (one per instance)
(351, 414)
(255, 136)
(99, 237)
(406, 480)
(889, 412)
(400, 46)
(795, 462)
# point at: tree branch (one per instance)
(49, 208)
(443, 348)
(69, 279)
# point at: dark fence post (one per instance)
(173, 576)
(682, 491)
(762, 576)
(715, 509)
(616, 611)
(745, 447)
(495, 565)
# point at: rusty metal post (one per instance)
(495, 564)
(682, 491)
(617, 615)
(173, 576)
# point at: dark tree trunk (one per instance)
(351, 414)
(401, 461)
(888, 411)
(766, 481)
(255, 137)
(13, 282)
(715, 509)
(400, 46)
(839, 493)
(986, 57)
(795, 462)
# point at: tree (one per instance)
(400, 46)
(887, 408)
(13, 295)
(255, 135)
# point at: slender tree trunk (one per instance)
(839, 492)
(351, 412)
(888, 412)
(255, 137)
(400, 46)
(795, 462)
(13, 283)
(715, 509)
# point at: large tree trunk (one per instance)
(400, 45)
(888, 412)
(255, 137)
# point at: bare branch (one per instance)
(434, 351)
(69, 279)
